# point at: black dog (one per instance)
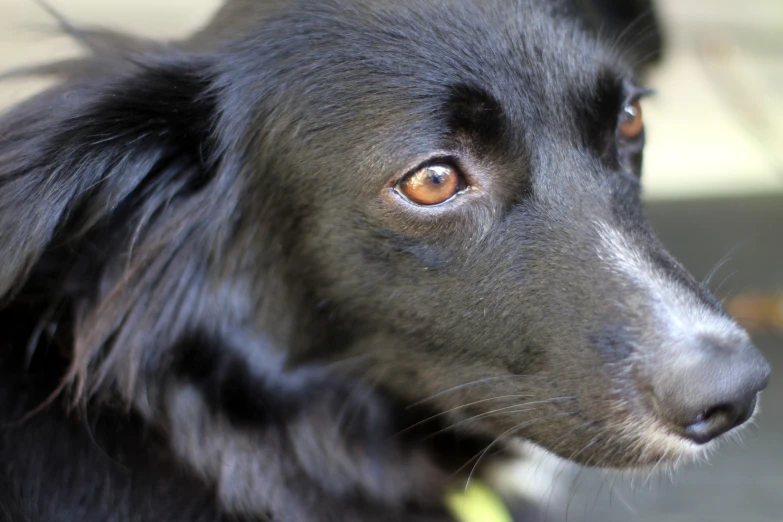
(328, 255)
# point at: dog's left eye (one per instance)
(431, 185)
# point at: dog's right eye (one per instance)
(431, 185)
(631, 123)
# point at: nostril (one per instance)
(711, 391)
(719, 419)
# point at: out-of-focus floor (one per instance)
(715, 128)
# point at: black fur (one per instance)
(216, 306)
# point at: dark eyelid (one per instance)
(634, 93)
(449, 161)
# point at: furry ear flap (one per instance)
(71, 157)
(630, 24)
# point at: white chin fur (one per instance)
(544, 479)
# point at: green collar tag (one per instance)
(477, 504)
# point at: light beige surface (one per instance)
(715, 126)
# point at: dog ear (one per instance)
(71, 157)
(630, 25)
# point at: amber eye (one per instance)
(431, 185)
(631, 123)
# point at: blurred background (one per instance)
(714, 185)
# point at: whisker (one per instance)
(499, 437)
(651, 474)
(562, 468)
(460, 386)
(723, 260)
(633, 25)
(597, 494)
(717, 290)
(361, 389)
(559, 470)
(643, 58)
(573, 487)
(499, 411)
(445, 412)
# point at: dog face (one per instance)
(450, 192)
(470, 182)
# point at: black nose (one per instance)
(711, 389)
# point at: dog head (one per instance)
(450, 192)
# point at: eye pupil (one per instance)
(431, 185)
